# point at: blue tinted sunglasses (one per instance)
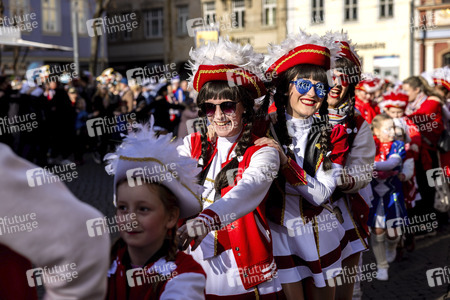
(303, 86)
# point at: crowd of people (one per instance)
(62, 109)
(300, 163)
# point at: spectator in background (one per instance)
(126, 94)
(81, 135)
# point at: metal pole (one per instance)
(75, 36)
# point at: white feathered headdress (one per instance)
(301, 48)
(347, 47)
(440, 76)
(227, 61)
(144, 158)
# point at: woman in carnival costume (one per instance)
(308, 239)
(153, 188)
(353, 194)
(230, 238)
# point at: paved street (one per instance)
(407, 278)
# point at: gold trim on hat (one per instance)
(298, 52)
(230, 70)
(140, 159)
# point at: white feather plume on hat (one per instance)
(275, 51)
(142, 149)
(225, 52)
(342, 36)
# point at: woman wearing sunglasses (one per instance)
(231, 238)
(308, 238)
(353, 193)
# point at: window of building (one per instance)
(153, 24)
(317, 11)
(269, 12)
(446, 59)
(239, 12)
(19, 8)
(351, 10)
(386, 8)
(209, 11)
(82, 15)
(182, 17)
(51, 16)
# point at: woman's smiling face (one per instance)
(302, 106)
(226, 123)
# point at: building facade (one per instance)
(381, 28)
(433, 35)
(52, 21)
(168, 31)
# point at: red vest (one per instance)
(251, 247)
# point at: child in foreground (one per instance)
(153, 188)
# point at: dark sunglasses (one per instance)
(228, 108)
(303, 86)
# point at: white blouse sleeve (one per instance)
(184, 149)
(392, 162)
(361, 158)
(408, 168)
(251, 189)
(319, 188)
(189, 286)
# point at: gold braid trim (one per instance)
(140, 159)
(299, 52)
(256, 294)
(215, 243)
(239, 72)
(354, 224)
(319, 161)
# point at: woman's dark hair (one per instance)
(221, 90)
(349, 68)
(281, 101)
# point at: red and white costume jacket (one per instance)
(183, 278)
(237, 216)
(359, 166)
(426, 113)
(365, 109)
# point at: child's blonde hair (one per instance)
(378, 120)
